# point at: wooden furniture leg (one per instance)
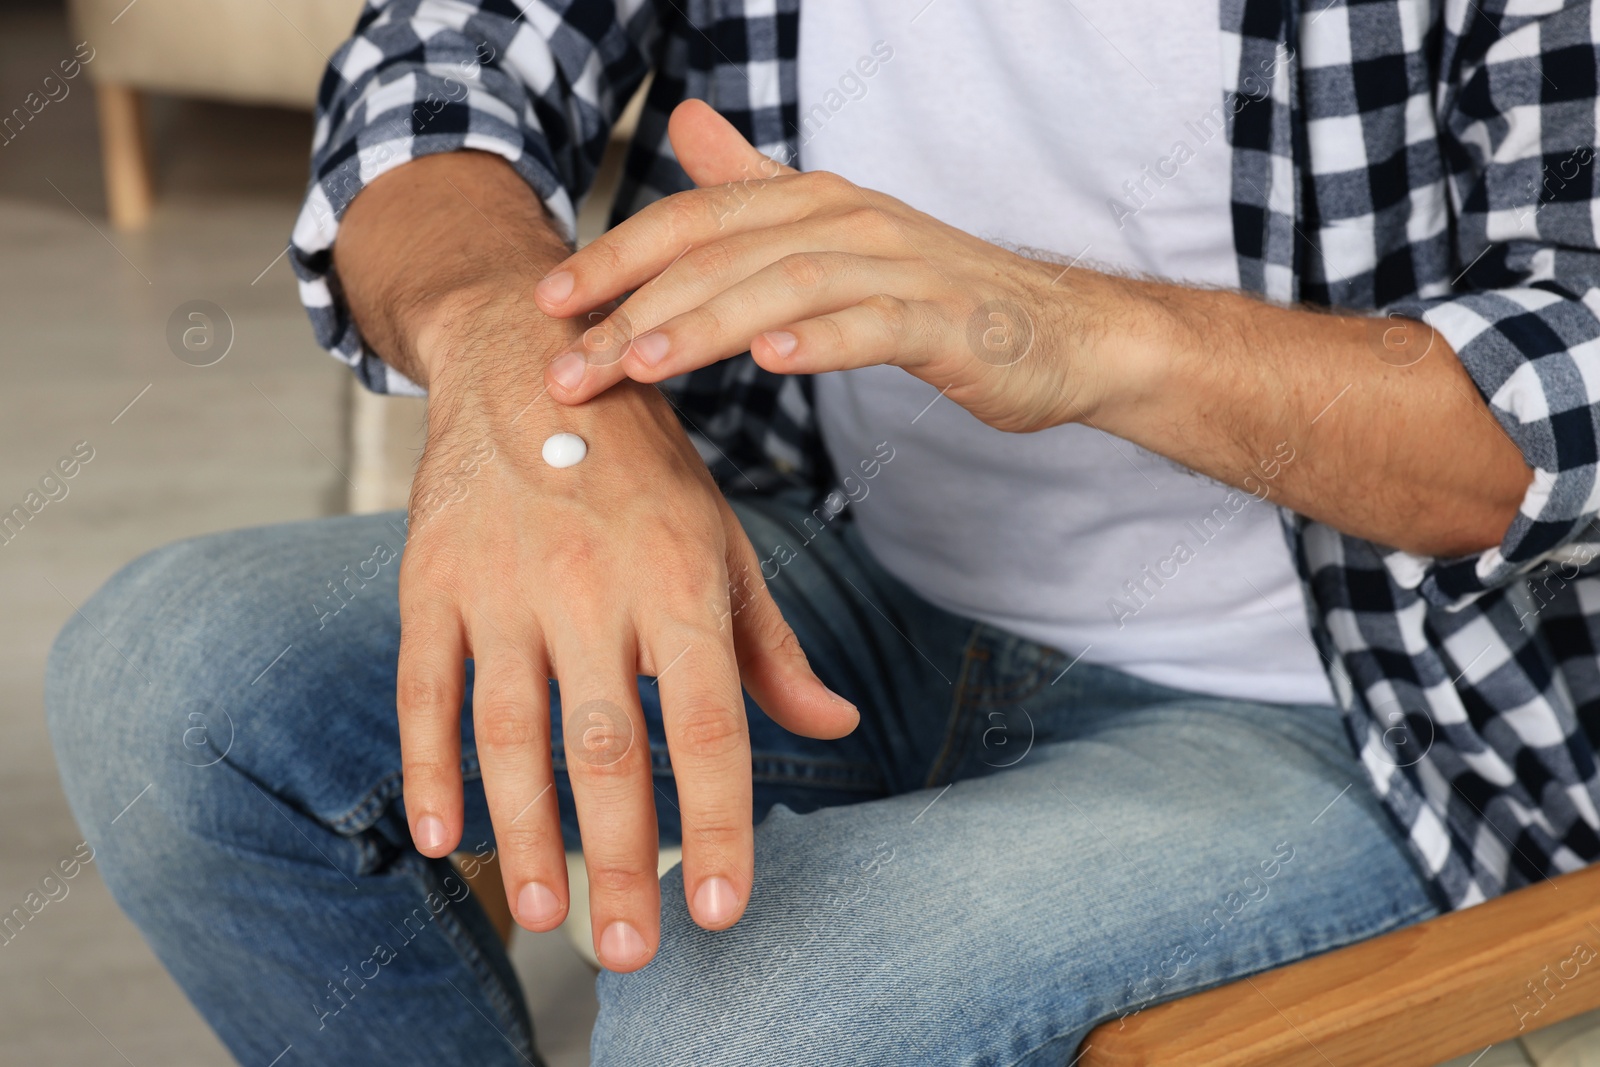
(125, 152)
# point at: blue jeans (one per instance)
(1011, 848)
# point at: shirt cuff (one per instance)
(1534, 354)
(403, 113)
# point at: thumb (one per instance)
(712, 152)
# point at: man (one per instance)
(1048, 719)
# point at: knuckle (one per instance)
(572, 558)
(426, 577)
(721, 832)
(423, 692)
(802, 270)
(596, 734)
(428, 772)
(710, 263)
(869, 222)
(777, 638)
(829, 184)
(679, 584)
(685, 213)
(503, 723)
(610, 331)
(610, 774)
(709, 728)
(525, 838)
(705, 321)
(890, 312)
(616, 878)
(605, 253)
(833, 335)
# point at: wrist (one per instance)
(452, 332)
(1120, 339)
(429, 247)
(486, 358)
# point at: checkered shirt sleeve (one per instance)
(1434, 161)
(536, 82)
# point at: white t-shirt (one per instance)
(1088, 129)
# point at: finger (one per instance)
(690, 281)
(646, 243)
(429, 683)
(879, 330)
(608, 761)
(730, 173)
(772, 665)
(511, 723)
(709, 148)
(794, 289)
(702, 707)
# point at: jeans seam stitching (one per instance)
(363, 814)
(1049, 1040)
(477, 964)
(852, 785)
(788, 769)
(1017, 694)
(959, 708)
(805, 772)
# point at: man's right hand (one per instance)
(629, 563)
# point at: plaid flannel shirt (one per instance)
(1433, 160)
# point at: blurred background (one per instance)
(152, 159)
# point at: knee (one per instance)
(131, 683)
(120, 644)
(174, 699)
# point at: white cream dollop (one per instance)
(564, 449)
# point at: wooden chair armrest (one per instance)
(1410, 998)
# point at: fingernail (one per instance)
(652, 347)
(782, 341)
(556, 287)
(714, 901)
(536, 905)
(621, 944)
(429, 833)
(567, 369)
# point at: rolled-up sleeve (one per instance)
(1519, 129)
(537, 82)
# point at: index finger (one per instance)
(642, 246)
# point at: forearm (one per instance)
(1387, 437)
(434, 242)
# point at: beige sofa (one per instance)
(250, 51)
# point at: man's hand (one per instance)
(594, 574)
(812, 273)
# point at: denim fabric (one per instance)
(1012, 847)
